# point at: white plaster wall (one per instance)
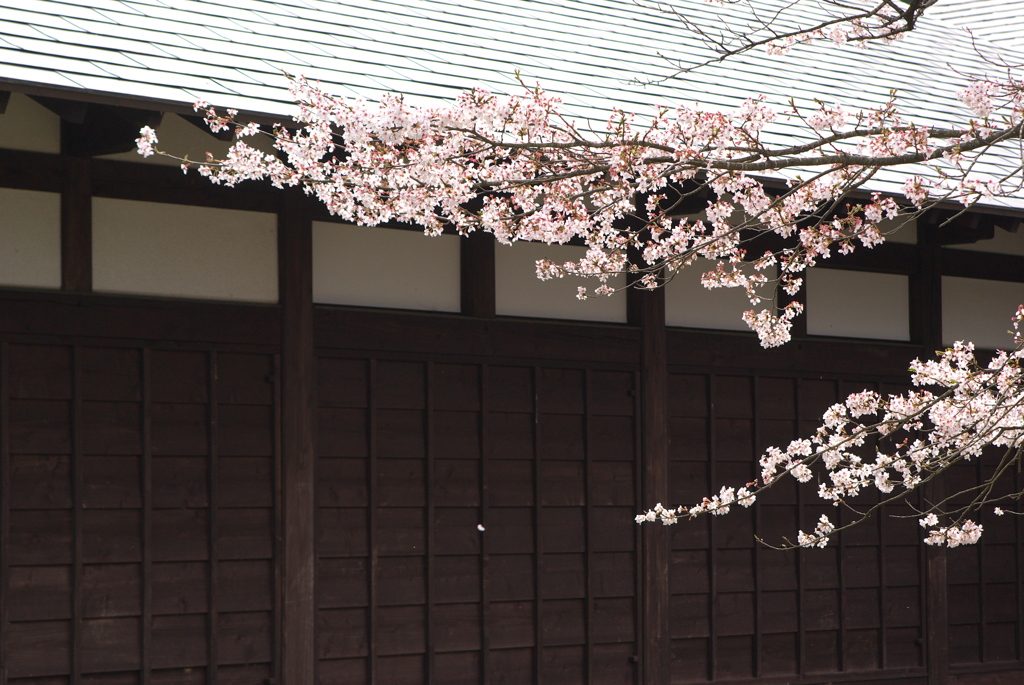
(30, 236)
(146, 248)
(519, 292)
(689, 304)
(979, 311)
(183, 139)
(858, 304)
(381, 267)
(27, 125)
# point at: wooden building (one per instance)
(242, 443)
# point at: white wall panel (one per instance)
(145, 248)
(380, 267)
(858, 304)
(30, 238)
(979, 311)
(27, 125)
(689, 304)
(520, 293)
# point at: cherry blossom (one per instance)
(957, 409)
(517, 167)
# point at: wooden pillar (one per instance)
(75, 214)
(647, 311)
(296, 552)
(477, 274)
(926, 329)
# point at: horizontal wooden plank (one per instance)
(511, 577)
(38, 648)
(179, 482)
(110, 644)
(446, 335)
(111, 590)
(341, 633)
(40, 482)
(245, 378)
(245, 533)
(457, 628)
(245, 586)
(40, 371)
(457, 578)
(401, 630)
(40, 593)
(40, 427)
(727, 351)
(40, 538)
(510, 624)
(180, 587)
(179, 641)
(111, 482)
(180, 534)
(111, 428)
(342, 583)
(155, 183)
(244, 638)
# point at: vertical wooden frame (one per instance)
(297, 562)
(538, 555)
(926, 329)
(5, 511)
(477, 274)
(77, 462)
(589, 531)
(213, 567)
(146, 489)
(712, 527)
(485, 521)
(755, 404)
(371, 524)
(430, 564)
(646, 309)
(75, 216)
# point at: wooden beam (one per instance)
(75, 216)
(477, 274)
(647, 311)
(926, 329)
(296, 555)
(984, 265)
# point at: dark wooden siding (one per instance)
(415, 457)
(139, 496)
(742, 610)
(139, 511)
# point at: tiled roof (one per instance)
(998, 21)
(597, 54)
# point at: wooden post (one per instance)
(75, 215)
(297, 558)
(477, 259)
(647, 310)
(926, 329)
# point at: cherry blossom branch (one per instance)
(977, 407)
(883, 21)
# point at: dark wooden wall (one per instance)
(139, 497)
(180, 504)
(141, 509)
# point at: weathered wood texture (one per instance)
(175, 550)
(117, 444)
(541, 457)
